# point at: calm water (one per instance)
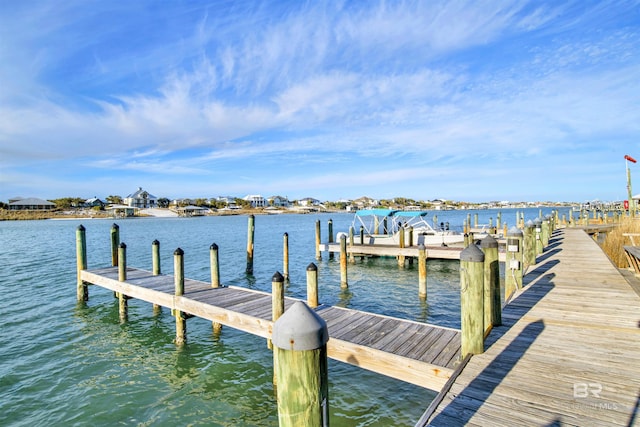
(68, 364)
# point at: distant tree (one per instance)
(68, 202)
(217, 204)
(115, 200)
(244, 204)
(163, 202)
(201, 202)
(4, 205)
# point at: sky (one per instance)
(460, 100)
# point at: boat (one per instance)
(383, 227)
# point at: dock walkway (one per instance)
(568, 352)
(418, 353)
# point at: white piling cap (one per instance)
(300, 328)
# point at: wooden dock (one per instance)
(566, 354)
(418, 353)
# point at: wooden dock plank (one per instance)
(566, 353)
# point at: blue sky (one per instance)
(475, 101)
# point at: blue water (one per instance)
(64, 363)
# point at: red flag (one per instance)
(628, 157)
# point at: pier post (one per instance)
(422, 272)
(251, 228)
(300, 362)
(514, 261)
(277, 299)
(330, 232)
(401, 258)
(178, 281)
(343, 262)
(489, 246)
(155, 268)
(214, 262)
(529, 244)
(285, 256)
(545, 231)
(122, 277)
(472, 300)
(81, 262)
(318, 241)
(312, 285)
(115, 242)
(475, 220)
(352, 257)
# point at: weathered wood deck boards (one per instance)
(417, 353)
(567, 353)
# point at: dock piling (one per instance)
(178, 280)
(251, 228)
(81, 262)
(115, 242)
(330, 235)
(343, 262)
(489, 246)
(214, 262)
(122, 277)
(471, 300)
(422, 272)
(318, 241)
(277, 298)
(285, 257)
(300, 363)
(312, 285)
(155, 268)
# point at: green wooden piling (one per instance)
(155, 268)
(489, 246)
(343, 263)
(312, 285)
(318, 241)
(472, 300)
(285, 256)
(115, 242)
(300, 363)
(529, 244)
(277, 299)
(122, 277)
(178, 281)
(214, 265)
(81, 262)
(251, 229)
(422, 272)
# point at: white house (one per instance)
(256, 200)
(141, 199)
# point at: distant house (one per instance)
(94, 202)
(279, 201)
(141, 199)
(31, 204)
(365, 202)
(256, 200)
(309, 201)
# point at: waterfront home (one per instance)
(141, 199)
(94, 202)
(256, 200)
(30, 204)
(279, 202)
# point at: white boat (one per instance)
(383, 227)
